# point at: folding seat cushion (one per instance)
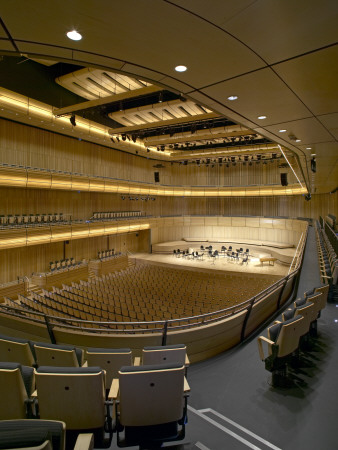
(58, 355)
(16, 386)
(109, 359)
(39, 434)
(17, 350)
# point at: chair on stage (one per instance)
(16, 386)
(151, 405)
(245, 259)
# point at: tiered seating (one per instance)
(150, 400)
(115, 215)
(285, 337)
(328, 262)
(24, 219)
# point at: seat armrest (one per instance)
(137, 361)
(84, 441)
(114, 389)
(260, 340)
(187, 362)
(85, 364)
(276, 321)
(186, 385)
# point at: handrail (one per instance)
(295, 255)
(165, 326)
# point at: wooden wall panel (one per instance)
(26, 260)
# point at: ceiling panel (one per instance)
(282, 29)
(260, 93)
(163, 41)
(314, 79)
(330, 121)
(309, 131)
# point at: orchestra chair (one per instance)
(151, 405)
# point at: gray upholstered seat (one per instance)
(16, 386)
(74, 395)
(16, 350)
(37, 435)
(58, 355)
(152, 404)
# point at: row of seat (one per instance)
(62, 264)
(328, 262)
(105, 253)
(116, 214)
(285, 337)
(150, 395)
(21, 219)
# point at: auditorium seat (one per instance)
(58, 355)
(16, 386)
(151, 405)
(76, 396)
(16, 350)
(35, 434)
(109, 359)
(165, 354)
(309, 313)
(283, 341)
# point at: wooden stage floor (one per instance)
(220, 264)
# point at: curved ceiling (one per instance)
(280, 58)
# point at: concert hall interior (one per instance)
(168, 224)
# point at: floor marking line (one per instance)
(201, 446)
(245, 430)
(221, 427)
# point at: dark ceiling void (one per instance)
(37, 81)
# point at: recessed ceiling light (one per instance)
(74, 35)
(282, 131)
(261, 117)
(298, 140)
(233, 97)
(180, 68)
(308, 148)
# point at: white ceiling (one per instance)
(280, 57)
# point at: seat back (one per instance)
(32, 434)
(74, 395)
(287, 337)
(57, 355)
(166, 354)
(13, 391)
(111, 360)
(309, 313)
(151, 395)
(19, 351)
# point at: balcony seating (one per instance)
(152, 405)
(16, 350)
(58, 355)
(16, 385)
(76, 396)
(35, 434)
